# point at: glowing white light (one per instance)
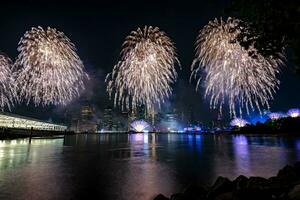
(275, 115)
(7, 89)
(48, 69)
(238, 122)
(139, 126)
(242, 78)
(145, 71)
(294, 112)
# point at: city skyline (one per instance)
(150, 100)
(98, 38)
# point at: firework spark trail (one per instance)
(145, 71)
(48, 69)
(7, 89)
(231, 74)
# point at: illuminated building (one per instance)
(108, 119)
(169, 122)
(86, 113)
(8, 120)
(85, 120)
(74, 124)
(125, 118)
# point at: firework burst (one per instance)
(145, 71)
(7, 89)
(48, 69)
(239, 122)
(230, 73)
(294, 112)
(139, 125)
(275, 115)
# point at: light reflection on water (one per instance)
(136, 166)
(241, 153)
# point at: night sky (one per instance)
(98, 31)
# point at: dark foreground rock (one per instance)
(284, 186)
(161, 197)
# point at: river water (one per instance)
(136, 166)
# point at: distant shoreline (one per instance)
(12, 133)
(8, 134)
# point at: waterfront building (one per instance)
(9, 120)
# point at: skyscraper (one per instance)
(107, 119)
(85, 120)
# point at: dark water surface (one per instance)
(135, 167)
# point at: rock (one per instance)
(279, 189)
(297, 168)
(222, 185)
(274, 179)
(294, 194)
(193, 192)
(161, 197)
(225, 196)
(252, 188)
(240, 182)
(252, 194)
(287, 175)
(178, 196)
(257, 182)
(275, 187)
(286, 185)
(297, 171)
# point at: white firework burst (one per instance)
(7, 89)
(294, 112)
(231, 74)
(145, 71)
(48, 69)
(239, 122)
(139, 125)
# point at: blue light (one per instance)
(257, 118)
(192, 129)
(294, 112)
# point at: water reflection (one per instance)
(241, 153)
(136, 166)
(27, 171)
(14, 153)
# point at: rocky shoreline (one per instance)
(284, 186)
